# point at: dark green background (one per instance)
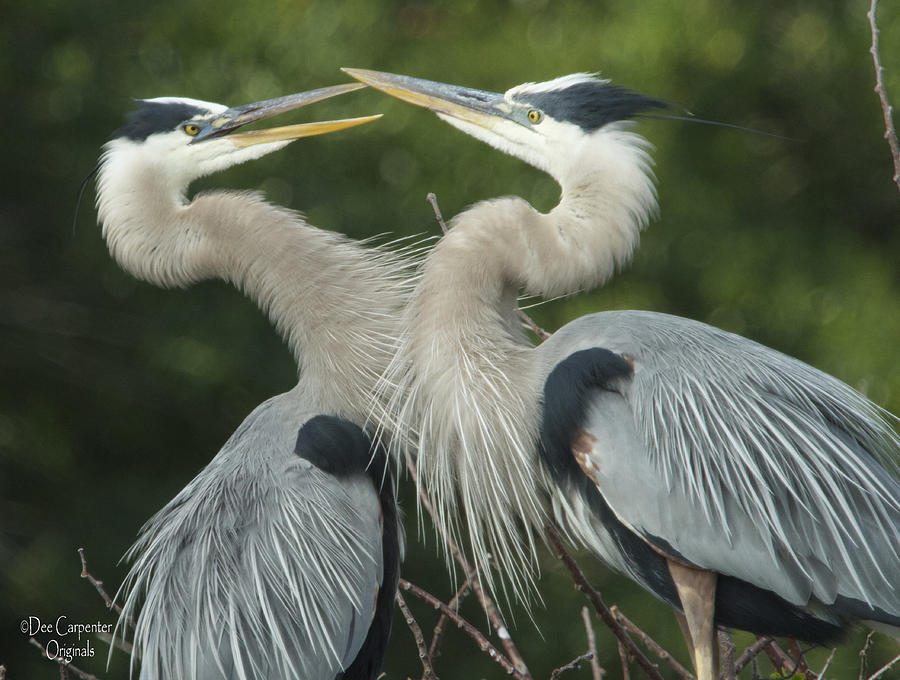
(116, 393)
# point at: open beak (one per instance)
(234, 118)
(479, 107)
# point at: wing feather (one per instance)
(271, 579)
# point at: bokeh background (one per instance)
(116, 393)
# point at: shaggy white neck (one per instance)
(472, 387)
(335, 303)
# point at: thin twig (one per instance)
(487, 604)
(438, 633)
(111, 640)
(623, 657)
(751, 652)
(482, 642)
(890, 133)
(571, 666)
(596, 671)
(432, 198)
(530, 323)
(651, 644)
(800, 659)
(98, 585)
(862, 654)
(882, 670)
(827, 662)
(427, 670)
(69, 667)
(582, 584)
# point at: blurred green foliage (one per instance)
(117, 393)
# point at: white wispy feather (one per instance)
(464, 387)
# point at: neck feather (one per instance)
(335, 303)
(464, 378)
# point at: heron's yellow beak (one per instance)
(230, 120)
(289, 132)
(479, 107)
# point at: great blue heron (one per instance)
(280, 559)
(741, 486)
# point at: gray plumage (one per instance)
(746, 461)
(716, 472)
(265, 566)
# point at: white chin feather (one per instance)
(510, 138)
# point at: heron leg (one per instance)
(697, 592)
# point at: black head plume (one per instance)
(156, 116)
(588, 102)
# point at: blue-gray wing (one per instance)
(263, 567)
(731, 456)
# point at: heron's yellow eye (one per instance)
(192, 129)
(534, 116)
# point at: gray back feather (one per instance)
(262, 567)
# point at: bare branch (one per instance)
(596, 671)
(890, 133)
(68, 667)
(111, 640)
(427, 670)
(862, 654)
(726, 652)
(482, 642)
(801, 666)
(432, 198)
(623, 657)
(98, 585)
(571, 666)
(651, 644)
(486, 602)
(582, 584)
(751, 652)
(437, 635)
(781, 660)
(827, 662)
(884, 669)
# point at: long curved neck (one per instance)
(473, 389)
(336, 303)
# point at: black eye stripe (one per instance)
(589, 105)
(154, 117)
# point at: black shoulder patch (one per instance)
(153, 117)
(565, 410)
(565, 402)
(591, 105)
(334, 445)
